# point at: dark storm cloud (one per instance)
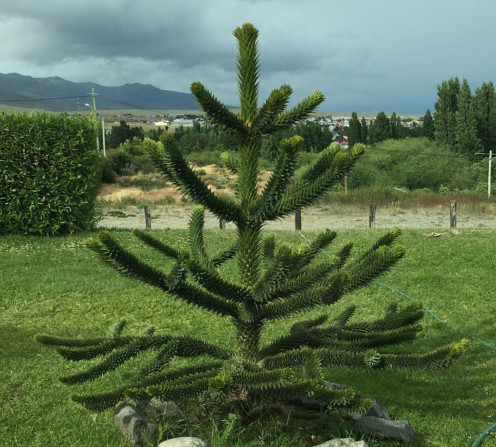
(112, 30)
(364, 55)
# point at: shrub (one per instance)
(204, 158)
(50, 175)
(132, 157)
(411, 163)
(108, 174)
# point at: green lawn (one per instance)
(57, 286)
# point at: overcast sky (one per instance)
(365, 55)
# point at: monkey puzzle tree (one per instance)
(273, 282)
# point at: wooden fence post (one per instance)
(298, 219)
(222, 224)
(453, 214)
(148, 218)
(372, 215)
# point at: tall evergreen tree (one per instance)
(396, 127)
(445, 114)
(484, 103)
(467, 141)
(354, 131)
(272, 282)
(380, 129)
(364, 130)
(428, 125)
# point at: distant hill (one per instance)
(58, 95)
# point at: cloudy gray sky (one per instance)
(365, 55)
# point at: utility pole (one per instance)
(93, 95)
(103, 138)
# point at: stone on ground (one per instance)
(184, 442)
(386, 428)
(345, 442)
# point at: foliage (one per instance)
(267, 282)
(355, 131)
(458, 112)
(200, 139)
(411, 163)
(467, 141)
(132, 157)
(49, 169)
(445, 114)
(428, 125)
(315, 139)
(107, 172)
(124, 132)
(364, 130)
(380, 129)
(484, 103)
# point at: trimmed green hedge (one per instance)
(49, 174)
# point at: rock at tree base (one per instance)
(386, 428)
(184, 442)
(377, 410)
(134, 426)
(345, 442)
(160, 411)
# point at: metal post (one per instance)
(489, 174)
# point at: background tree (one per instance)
(380, 129)
(484, 104)
(270, 282)
(354, 131)
(119, 134)
(428, 125)
(364, 130)
(412, 163)
(445, 114)
(396, 126)
(467, 141)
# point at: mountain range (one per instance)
(59, 95)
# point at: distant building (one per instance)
(183, 122)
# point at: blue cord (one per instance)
(488, 430)
(483, 435)
(439, 319)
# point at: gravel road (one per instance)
(312, 219)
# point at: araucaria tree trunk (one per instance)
(273, 282)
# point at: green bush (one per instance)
(411, 163)
(49, 174)
(108, 174)
(204, 158)
(132, 157)
(147, 183)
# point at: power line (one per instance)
(422, 154)
(44, 99)
(118, 101)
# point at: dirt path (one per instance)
(312, 219)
